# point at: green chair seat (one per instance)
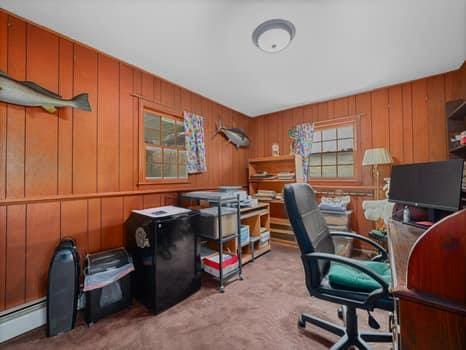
(347, 277)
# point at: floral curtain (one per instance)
(303, 134)
(195, 143)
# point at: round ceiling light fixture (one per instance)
(273, 35)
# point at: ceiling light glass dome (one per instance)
(273, 35)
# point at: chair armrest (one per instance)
(352, 263)
(381, 249)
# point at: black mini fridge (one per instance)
(165, 255)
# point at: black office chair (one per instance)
(351, 283)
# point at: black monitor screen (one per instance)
(430, 185)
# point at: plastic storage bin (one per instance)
(208, 222)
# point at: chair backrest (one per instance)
(310, 228)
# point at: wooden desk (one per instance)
(428, 269)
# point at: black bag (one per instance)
(63, 288)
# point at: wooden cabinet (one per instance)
(429, 284)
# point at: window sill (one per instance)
(163, 182)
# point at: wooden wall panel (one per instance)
(157, 90)
(3, 107)
(74, 224)
(364, 108)
(380, 123)
(408, 136)
(167, 97)
(396, 132)
(112, 222)
(3, 253)
(41, 126)
(85, 123)
(420, 121)
(94, 225)
(43, 235)
(65, 119)
(151, 200)
(15, 256)
(148, 86)
(436, 117)
(108, 125)
(126, 129)
(16, 116)
(137, 89)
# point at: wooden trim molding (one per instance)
(71, 197)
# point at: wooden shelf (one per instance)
(457, 110)
(279, 221)
(272, 159)
(273, 180)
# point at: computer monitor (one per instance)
(435, 185)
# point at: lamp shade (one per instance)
(376, 156)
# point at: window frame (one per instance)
(355, 121)
(161, 111)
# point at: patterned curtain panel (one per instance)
(304, 134)
(195, 143)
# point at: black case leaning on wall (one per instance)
(63, 288)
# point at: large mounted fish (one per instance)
(236, 136)
(26, 93)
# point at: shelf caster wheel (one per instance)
(301, 323)
(221, 289)
(241, 278)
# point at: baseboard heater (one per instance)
(22, 319)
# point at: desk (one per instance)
(430, 307)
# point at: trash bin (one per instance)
(107, 283)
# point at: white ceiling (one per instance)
(341, 46)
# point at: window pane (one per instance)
(329, 134)
(153, 169)
(182, 171)
(151, 128)
(345, 132)
(180, 134)
(345, 171)
(168, 132)
(329, 159)
(315, 171)
(315, 160)
(329, 171)
(169, 155)
(345, 158)
(329, 146)
(317, 136)
(169, 170)
(182, 157)
(345, 145)
(316, 147)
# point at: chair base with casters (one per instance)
(350, 335)
(350, 283)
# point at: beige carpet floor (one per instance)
(259, 312)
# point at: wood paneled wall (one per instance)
(74, 173)
(408, 119)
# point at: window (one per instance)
(333, 150)
(164, 147)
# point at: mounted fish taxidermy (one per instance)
(29, 94)
(236, 136)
